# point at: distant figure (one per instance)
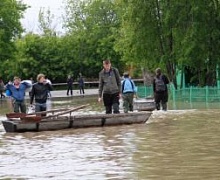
(49, 82)
(2, 88)
(128, 91)
(39, 92)
(69, 82)
(109, 87)
(160, 89)
(81, 84)
(17, 91)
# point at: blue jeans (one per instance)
(40, 107)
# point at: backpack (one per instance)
(159, 84)
(117, 78)
(123, 85)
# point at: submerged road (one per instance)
(62, 93)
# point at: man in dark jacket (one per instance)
(160, 89)
(81, 84)
(40, 93)
(69, 82)
(109, 87)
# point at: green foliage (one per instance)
(170, 34)
(92, 23)
(143, 34)
(45, 20)
(10, 28)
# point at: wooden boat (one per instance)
(24, 123)
(144, 104)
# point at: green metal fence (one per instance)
(191, 94)
(144, 91)
(195, 94)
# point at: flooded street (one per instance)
(177, 144)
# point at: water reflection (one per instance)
(193, 105)
(96, 153)
(6, 105)
(177, 144)
(183, 146)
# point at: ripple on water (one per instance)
(171, 145)
(65, 154)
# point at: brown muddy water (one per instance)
(182, 143)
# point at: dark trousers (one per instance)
(69, 89)
(161, 98)
(128, 101)
(111, 101)
(19, 106)
(2, 95)
(81, 89)
(1, 92)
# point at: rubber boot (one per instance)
(157, 106)
(115, 108)
(164, 106)
(108, 109)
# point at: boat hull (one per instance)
(144, 104)
(76, 121)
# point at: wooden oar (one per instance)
(66, 112)
(49, 111)
(23, 115)
(15, 115)
(31, 119)
(34, 118)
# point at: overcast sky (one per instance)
(30, 21)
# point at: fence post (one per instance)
(145, 92)
(207, 93)
(190, 94)
(173, 92)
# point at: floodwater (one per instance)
(173, 145)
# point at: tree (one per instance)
(45, 20)
(170, 34)
(40, 54)
(199, 39)
(145, 38)
(92, 23)
(11, 12)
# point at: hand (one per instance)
(99, 99)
